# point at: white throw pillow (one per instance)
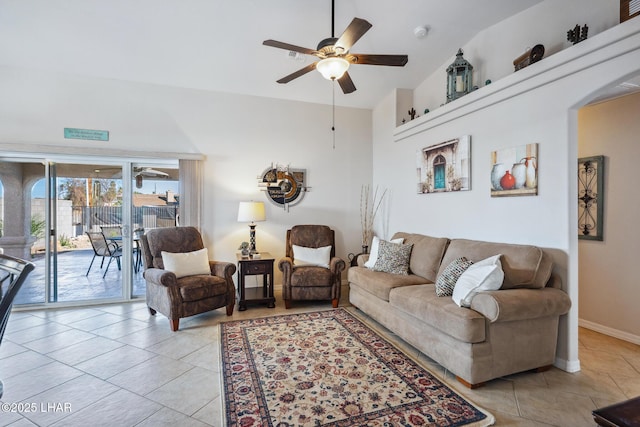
(373, 253)
(311, 256)
(485, 275)
(187, 263)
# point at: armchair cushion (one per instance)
(311, 256)
(311, 276)
(187, 263)
(195, 288)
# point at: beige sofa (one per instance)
(510, 330)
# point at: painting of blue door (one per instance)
(439, 181)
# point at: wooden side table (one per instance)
(249, 266)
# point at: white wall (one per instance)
(239, 135)
(534, 105)
(608, 279)
(493, 50)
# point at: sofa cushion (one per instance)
(443, 314)
(375, 246)
(447, 280)
(379, 283)
(524, 266)
(393, 258)
(485, 275)
(426, 254)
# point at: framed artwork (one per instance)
(590, 197)
(514, 171)
(445, 167)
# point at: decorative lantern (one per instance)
(459, 78)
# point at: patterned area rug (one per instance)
(329, 369)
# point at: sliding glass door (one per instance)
(80, 223)
(89, 252)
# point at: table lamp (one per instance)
(251, 212)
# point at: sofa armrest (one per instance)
(160, 277)
(520, 304)
(362, 258)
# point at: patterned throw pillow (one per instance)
(447, 280)
(393, 258)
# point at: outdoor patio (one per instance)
(73, 285)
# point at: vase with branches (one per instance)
(370, 201)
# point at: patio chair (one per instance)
(137, 249)
(103, 249)
(113, 233)
(15, 271)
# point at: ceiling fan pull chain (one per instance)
(333, 113)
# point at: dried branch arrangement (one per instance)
(369, 205)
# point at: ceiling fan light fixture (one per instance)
(333, 68)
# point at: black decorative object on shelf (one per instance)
(412, 113)
(577, 34)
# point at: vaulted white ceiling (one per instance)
(217, 45)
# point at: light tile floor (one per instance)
(116, 365)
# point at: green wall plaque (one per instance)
(90, 134)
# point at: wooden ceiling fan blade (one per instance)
(287, 46)
(352, 34)
(346, 83)
(300, 72)
(391, 60)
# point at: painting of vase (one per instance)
(514, 171)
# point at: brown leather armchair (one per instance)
(185, 296)
(304, 282)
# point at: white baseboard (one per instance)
(567, 365)
(625, 336)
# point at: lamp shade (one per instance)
(332, 68)
(251, 212)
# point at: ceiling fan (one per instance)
(139, 173)
(334, 54)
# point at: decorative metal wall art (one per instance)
(445, 167)
(459, 78)
(591, 198)
(283, 186)
(515, 171)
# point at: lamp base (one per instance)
(252, 238)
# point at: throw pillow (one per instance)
(393, 258)
(447, 280)
(311, 256)
(485, 275)
(373, 253)
(187, 263)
